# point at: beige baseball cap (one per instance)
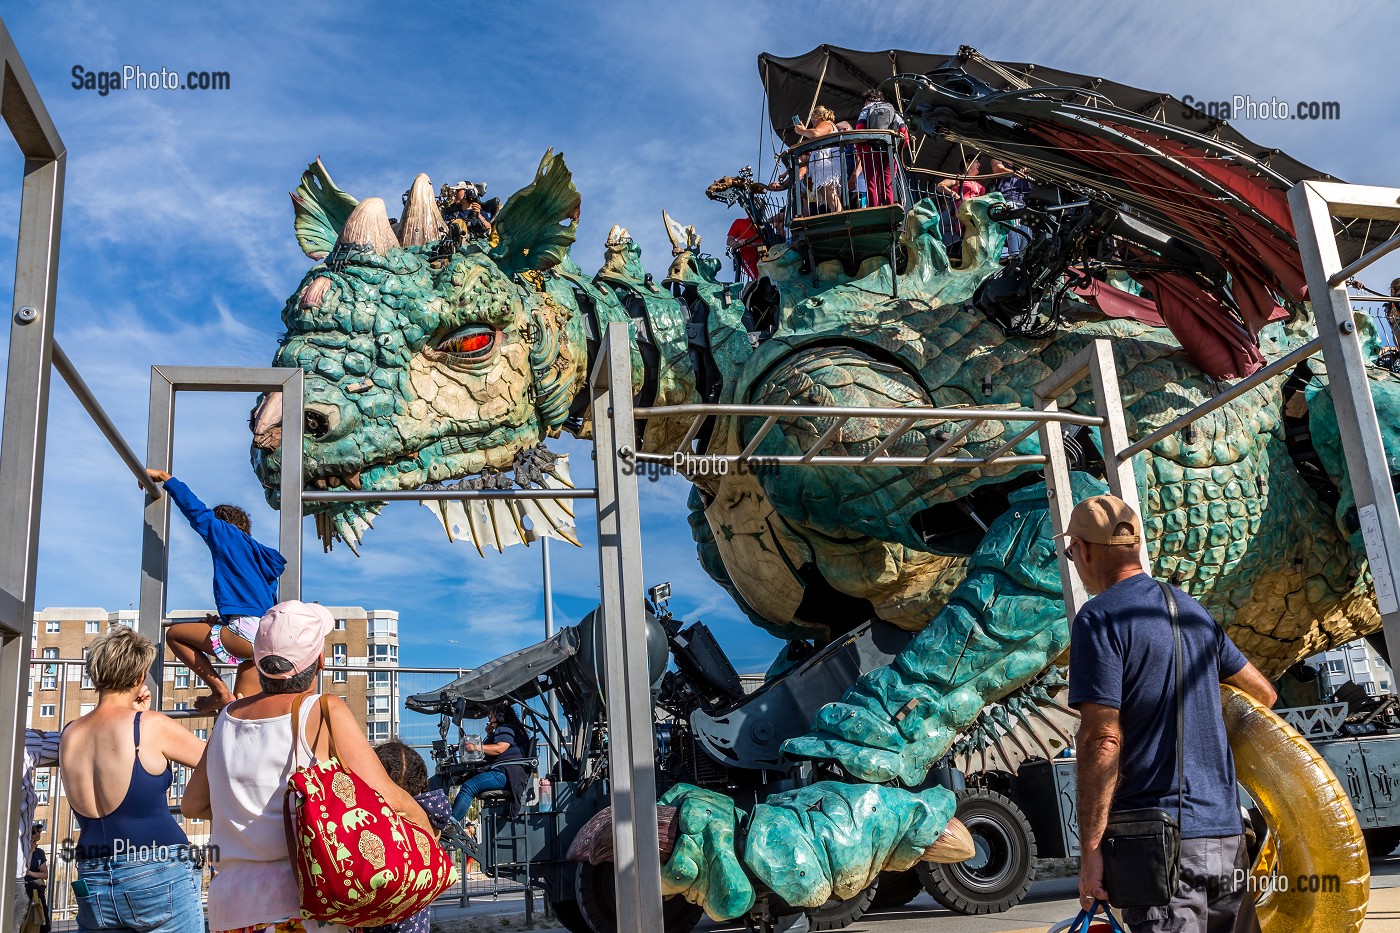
(1104, 520)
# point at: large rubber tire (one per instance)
(837, 915)
(999, 875)
(897, 888)
(1381, 842)
(570, 917)
(597, 901)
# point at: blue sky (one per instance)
(178, 246)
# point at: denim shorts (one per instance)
(128, 896)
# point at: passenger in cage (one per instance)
(407, 769)
(823, 167)
(879, 114)
(505, 742)
(1015, 188)
(959, 188)
(245, 578)
(743, 242)
(133, 859)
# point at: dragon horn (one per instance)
(421, 222)
(675, 231)
(368, 227)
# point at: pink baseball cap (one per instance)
(293, 630)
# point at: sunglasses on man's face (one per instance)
(1069, 552)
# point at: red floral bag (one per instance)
(357, 861)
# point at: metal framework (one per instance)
(26, 418)
(166, 381)
(33, 354)
(1315, 206)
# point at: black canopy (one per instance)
(839, 77)
(518, 676)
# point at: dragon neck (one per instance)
(671, 364)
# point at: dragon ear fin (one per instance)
(321, 210)
(537, 225)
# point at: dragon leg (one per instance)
(1002, 625)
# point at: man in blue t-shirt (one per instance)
(1122, 681)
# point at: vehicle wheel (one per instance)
(597, 901)
(896, 888)
(1381, 842)
(1000, 874)
(837, 915)
(570, 917)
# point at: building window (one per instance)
(50, 681)
(384, 654)
(50, 653)
(342, 624)
(1370, 686)
(381, 678)
(1335, 667)
(202, 734)
(46, 710)
(182, 706)
(182, 678)
(379, 705)
(87, 681)
(51, 627)
(86, 708)
(340, 656)
(92, 627)
(379, 732)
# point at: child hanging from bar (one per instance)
(245, 577)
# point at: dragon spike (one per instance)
(954, 844)
(421, 222)
(617, 236)
(368, 227)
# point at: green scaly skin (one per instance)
(1227, 513)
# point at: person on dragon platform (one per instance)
(245, 577)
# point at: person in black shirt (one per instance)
(504, 743)
(37, 878)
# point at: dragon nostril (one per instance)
(317, 424)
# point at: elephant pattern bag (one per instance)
(357, 862)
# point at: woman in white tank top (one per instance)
(240, 784)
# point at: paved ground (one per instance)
(1049, 902)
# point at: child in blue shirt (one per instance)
(245, 577)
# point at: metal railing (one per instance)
(68, 694)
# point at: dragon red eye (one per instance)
(470, 344)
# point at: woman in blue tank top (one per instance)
(136, 870)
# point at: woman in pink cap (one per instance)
(240, 782)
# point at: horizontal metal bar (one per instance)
(226, 378)
(952, 442)
(1286, 362)
(1361, 262)
(93, 407)
(1020, 436)
(415, 495)
(758, 438)
(898, 432)
(917, 413)
(796, 460)
(825, 439)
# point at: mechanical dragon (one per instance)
(431, 357)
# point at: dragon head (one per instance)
(429, 355)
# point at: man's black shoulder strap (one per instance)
(1180, 666)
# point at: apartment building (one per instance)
(1356, 661)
